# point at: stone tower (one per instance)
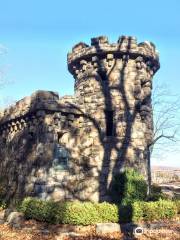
(72, 147)
(113, 84)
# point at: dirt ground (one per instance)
(33, 230)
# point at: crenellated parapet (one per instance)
(101, 53)
(37, 101)
(31, 111)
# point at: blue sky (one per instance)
(38, 35)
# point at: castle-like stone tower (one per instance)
(73, 147)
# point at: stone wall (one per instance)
(72, 147)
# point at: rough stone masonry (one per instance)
(72, 147)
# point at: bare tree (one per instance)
(166, 111)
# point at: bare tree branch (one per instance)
(166, 109)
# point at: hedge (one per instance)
(77, 213)
(149, 211)
(88, 213)
(40, 210)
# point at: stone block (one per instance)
(104, 228)
(58, 195)
(15, 219)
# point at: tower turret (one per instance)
(113, 83)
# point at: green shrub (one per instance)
(87, 213)
(166, 209)
(78, 213)
(107, 212)
(128, 186)
(137, 211)
(149, 211)
(34, 208)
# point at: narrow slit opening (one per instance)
(109, 123)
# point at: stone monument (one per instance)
(72, 147)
